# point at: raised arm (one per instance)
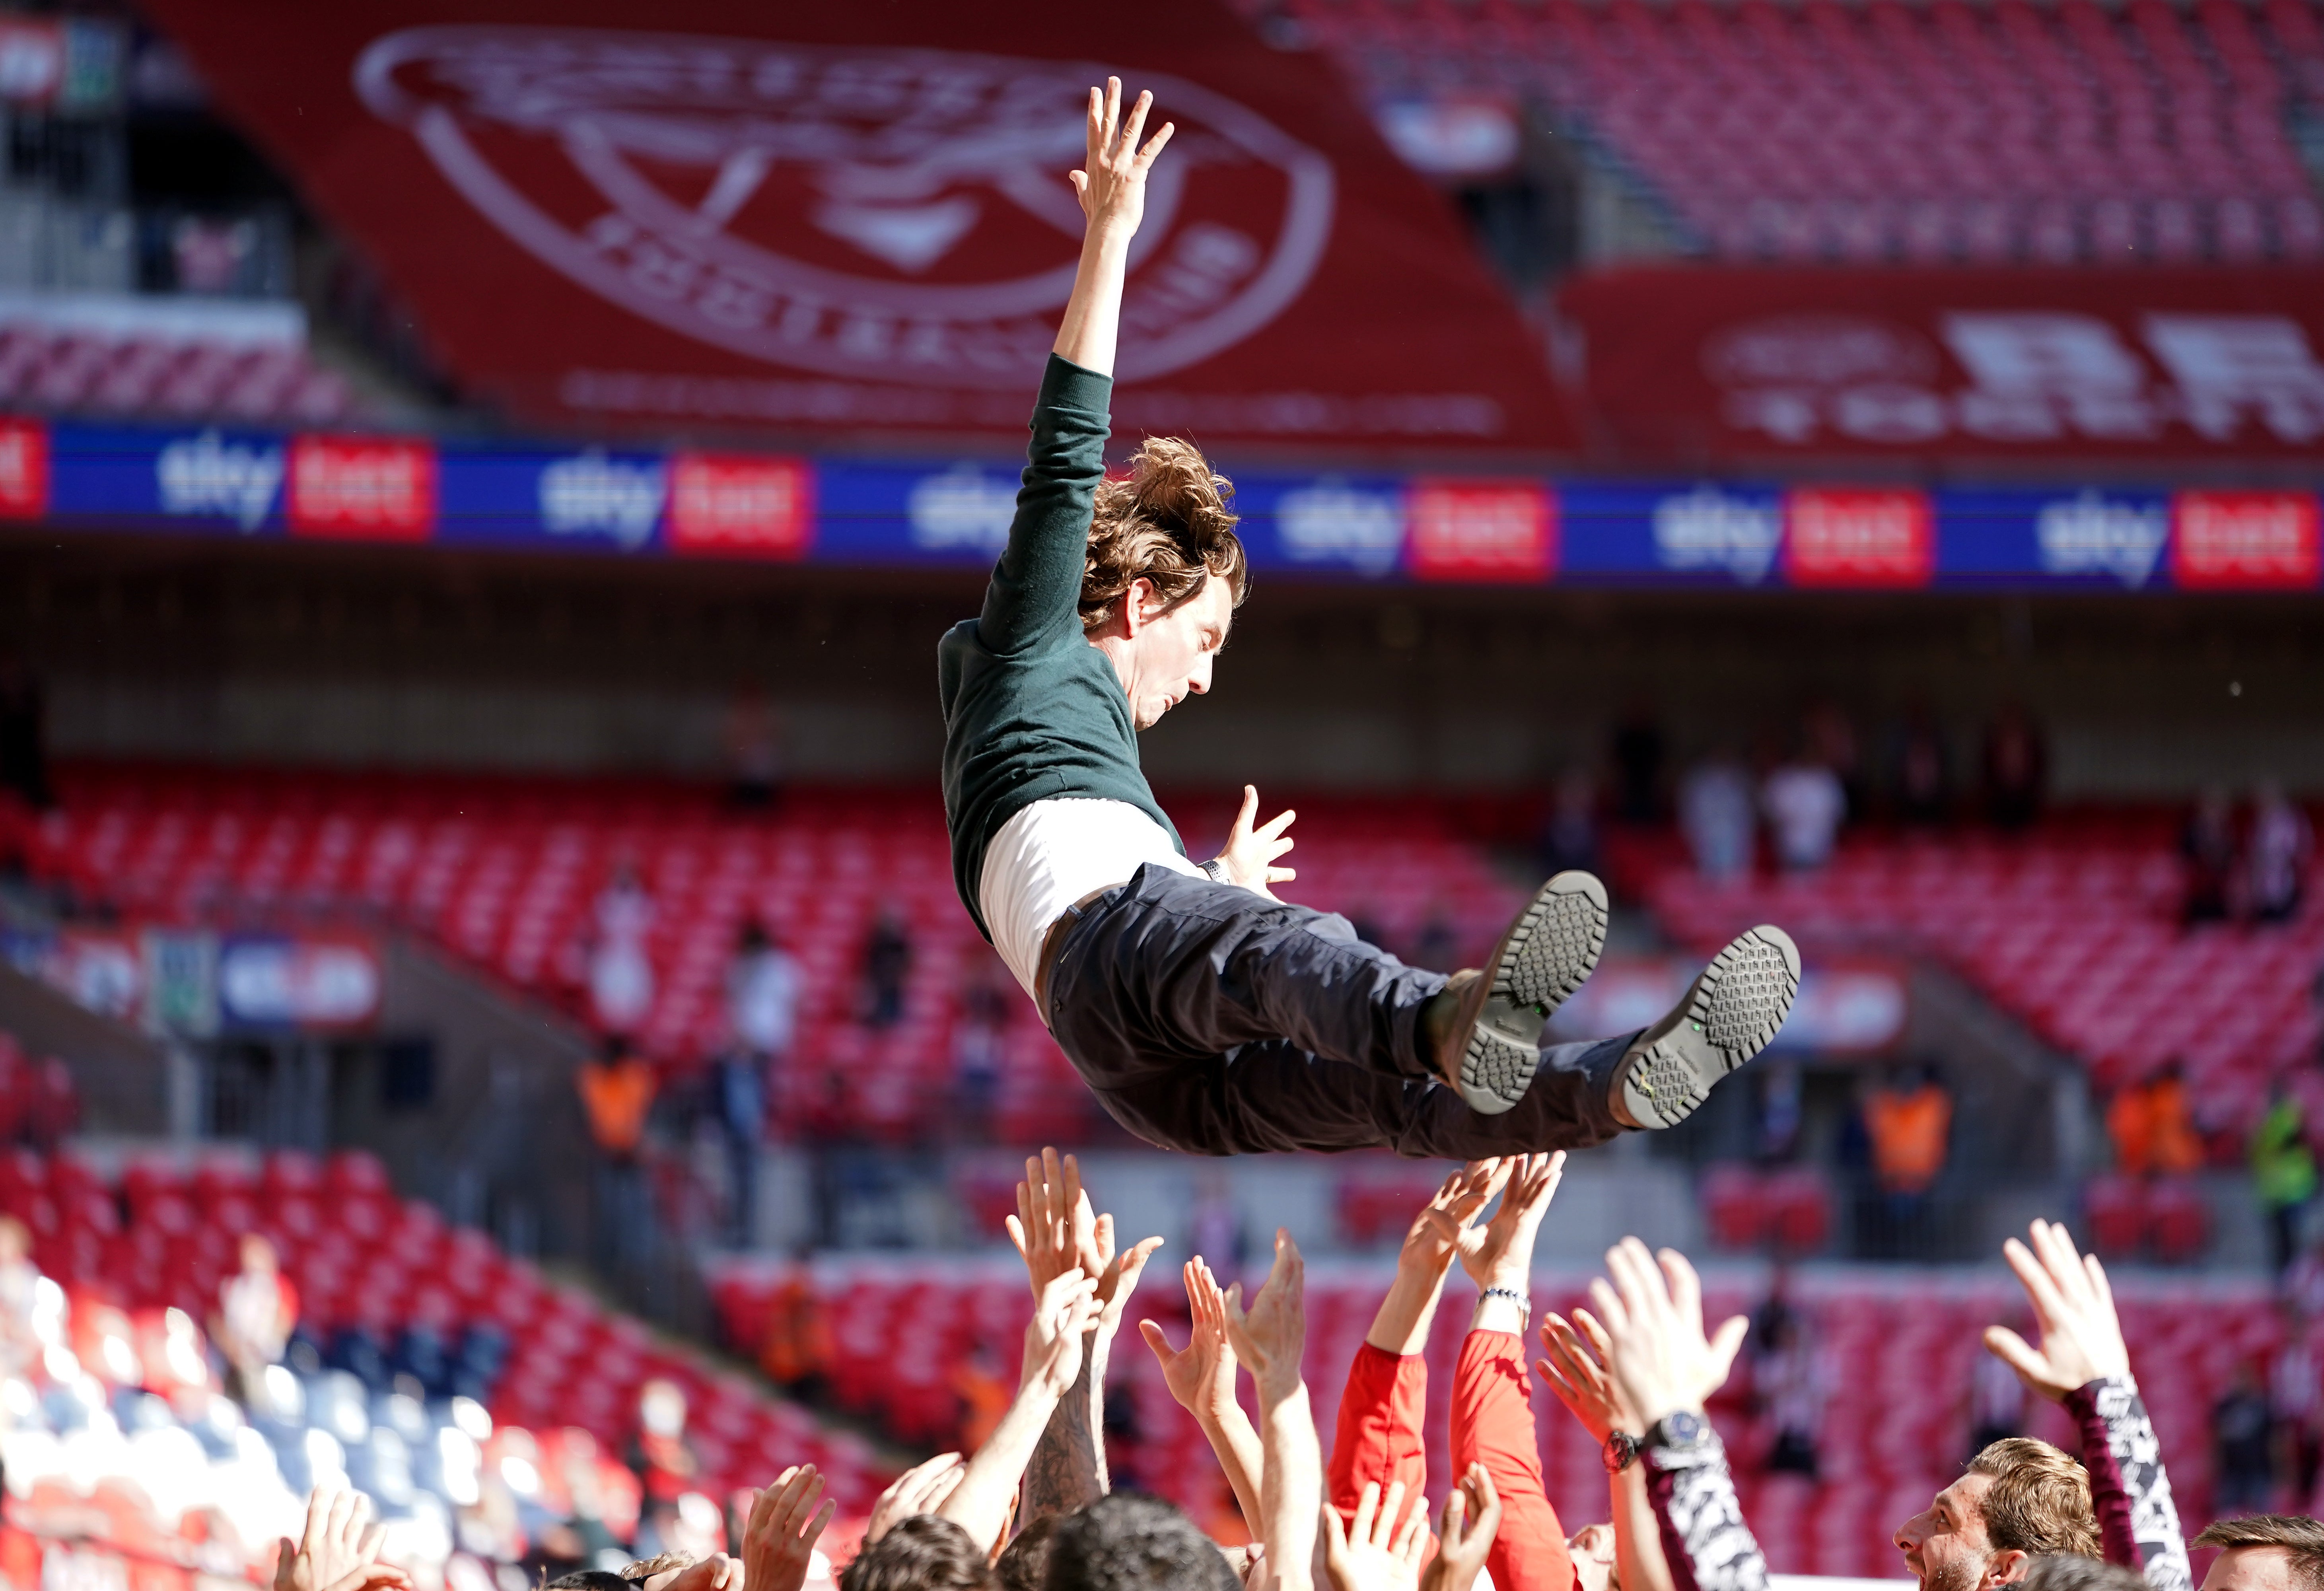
(1492, 1415)
(1202, 1377)
(1034, 599)
(980, 1505)
(1056, 1230)
(1270, 1339)
(2084, 1365)
(1576, 1370)
(1379, 1439)
(1666, 1367)
(1111, 186)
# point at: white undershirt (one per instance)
(1053, 852)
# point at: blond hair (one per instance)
(2039, 1499)
(1171, 520)
(2297, 1533)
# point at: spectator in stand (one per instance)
(980, 1036)
(1923, 777)
(2295, 1398)
(258, 1309)
(23, 735)
(1214, 1228)
(1789, 1385)
(755, 751)
(1715, 810)
(1908, 1131)
(617, 1089)
(762, 991)
(1804, 806)
(2153, 1126)
(621, 972)
(2267, 1552)
(2207, 845)
(659, 1454)
(887, 962)
(2017, 771)
(1569, 838)
(2282, 843)
(796, 1352)
(1637, 758)
(2283, 1173)
(2243, 1449)
(20, 1299)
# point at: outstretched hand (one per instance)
(1068, 1309)
(2081, 1338)
(785, 1524)
(1201, 1375)
(1250, 852)
(1501, 1253)
(1442, 1229)
(1661, 1358)
(1271, 1337)
(1111, 184)
(1056, 1230)
(1473, 1518)
(1576, 1372)
(1381, 1550)
(340, 1549)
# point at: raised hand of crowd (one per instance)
(1383, 1546)
(2073, 1308)
(784, 1524)
(1658, 1352)
(339, 1549)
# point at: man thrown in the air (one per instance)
(1207, 1015)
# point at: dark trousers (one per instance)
(1210, 1019)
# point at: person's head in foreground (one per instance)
(1592, 1548)
(1129, 1542)
(2061, 1571)
(922, 1553)
(1165, 573)
(2265, 1552)
(2019, 1500)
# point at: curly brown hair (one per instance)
(1171, 520)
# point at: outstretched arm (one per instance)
(1033, 602)
(2083, 1364)
(981, 1503)
(1576, 1370)
(1202, 1377)
(1111, 186)
(1492, 1416)
(1270, 1339)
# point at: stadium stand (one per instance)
(506, 871)
(434, 1370)
(49, 365)
(1900, 1344)
(2073, 928)
(1948, 132)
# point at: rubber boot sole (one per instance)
(1544, 956)
(1732, 1012)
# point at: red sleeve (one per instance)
(1492, 1425)
(1379, 1435)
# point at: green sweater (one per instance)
(1032, 711)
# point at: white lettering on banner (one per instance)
(962, 507)
(206, 475)
(2037, 377)
(2093, 535)
(590, 494)
(780, 200)
(2249, 534)
(2228, 365)
(263, 981)
(1708, 529)
(1331, 523)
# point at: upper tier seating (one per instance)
(1951, 131)
(2074, 929)
(505, 871)
(1899, 1348)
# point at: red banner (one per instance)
(362, 489)
(23, 468)
(2244, 541)
(1482, 530)
(1845, 536)
(742, 505)
(809, 219)
(1689, 364)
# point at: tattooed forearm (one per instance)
(1067, 1471)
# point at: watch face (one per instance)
(1684, 1428)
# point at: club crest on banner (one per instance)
(896, 215)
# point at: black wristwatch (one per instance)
(1621, 1451)
(1682, 1430)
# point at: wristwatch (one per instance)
(1621, 1451)
(1682, 1430)
(1215, 869)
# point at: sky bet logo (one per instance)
(591, 494)
(2093, 535)
(209, 478)
(1708, 529)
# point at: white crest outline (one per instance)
(1290, 259)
